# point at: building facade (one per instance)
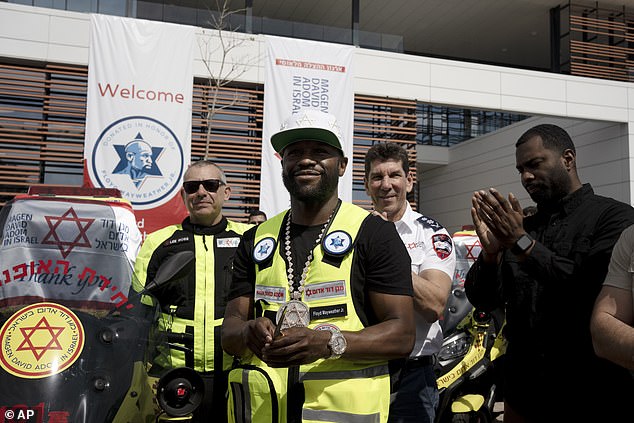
(44, 55)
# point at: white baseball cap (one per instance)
(308, 124)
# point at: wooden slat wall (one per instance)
(42, 123)
(42, 119)
(235, 142)
(379, 120)
(601, 42)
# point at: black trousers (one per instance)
(214, 405)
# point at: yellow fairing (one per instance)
(467, 403)
(474, 355)
(138, 405)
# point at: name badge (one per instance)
(227, 242)
(273, 294)
(328, 312)
(322, 290)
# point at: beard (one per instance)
(318, 193)
(550, 192)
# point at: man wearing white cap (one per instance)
(321, 296)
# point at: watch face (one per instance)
(524, 242)
(338, 343)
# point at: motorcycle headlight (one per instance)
(454, 347)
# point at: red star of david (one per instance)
(470, 248)
(53, 237)
(38, 351)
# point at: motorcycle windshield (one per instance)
(74, 335)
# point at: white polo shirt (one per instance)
(430, 247)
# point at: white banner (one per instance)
(300, 75)
(81, 251)
(139, 112)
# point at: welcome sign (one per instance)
(138, 118)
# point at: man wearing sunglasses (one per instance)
(196, 304)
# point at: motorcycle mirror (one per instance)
(174, 267)
(180, 391)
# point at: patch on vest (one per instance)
(275, 294)
(227, 242)
(263, 249)
(322, 290)
(327, 312)
(442, 245)
(337, 243)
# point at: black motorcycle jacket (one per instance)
(196, 304)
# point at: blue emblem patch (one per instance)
(263, 249)
(337, 243)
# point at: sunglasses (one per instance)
(210, 185)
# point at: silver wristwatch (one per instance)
(337, 343)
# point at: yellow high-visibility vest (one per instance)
(336, 390)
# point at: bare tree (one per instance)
(223, 62)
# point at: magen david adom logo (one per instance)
(141, 157)
(40, 340)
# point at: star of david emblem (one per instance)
(39, 350)
(334, 126)
(264, 249)
(305, 120)
(470, 255)
(295, 314)
(137, 159)
(336, 242)
(67, 227)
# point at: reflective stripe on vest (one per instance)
(337, 416)
(252, 396)
(368, 372)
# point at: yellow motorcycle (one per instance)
(469, 361)
(468, 369)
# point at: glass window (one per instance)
(113, 7)
(446, 126)
(337, 35)
(277, 27)
(38, 3)
(320, 20)
(180, 14)
(86, 6)
(370, 40)
(150, 10)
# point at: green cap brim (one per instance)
(287, 137)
